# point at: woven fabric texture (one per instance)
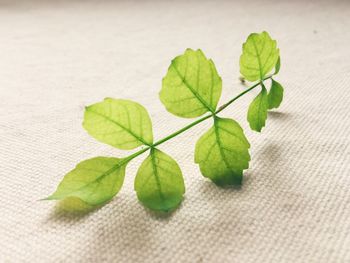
(58, 56)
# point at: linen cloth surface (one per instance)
(58, 56)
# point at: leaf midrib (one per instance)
(155, 171)
(120, 125)
(259, 107)
(183, 79)
(99, 178)
(258, 57)
(217, 135)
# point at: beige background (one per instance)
(57, 56)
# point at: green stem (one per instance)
(222, 107)
(189, 126)
(134, 155)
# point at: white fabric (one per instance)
(57, 56)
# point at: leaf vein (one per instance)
(192, 90)
(120, 125)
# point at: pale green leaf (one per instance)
(222, 152)
(275, 96)
(259, 57)
(74, 205)
(191, 86)
(277, 66)
(94, 181)
(159, 183)
(257, 112)
(121, 123)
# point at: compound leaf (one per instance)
(191, 86)
(159, 183)
(259, 57)
(275, 96)
(257, 112)
(222, 152)
(94, 181)
(121, 123)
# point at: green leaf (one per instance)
(94, 181)
(159, 183)
(222, 152)
(191, 86)
(257, 112)
(74, 205)
(259, 57)
(275, 96)
(121, 123)
(278, 66)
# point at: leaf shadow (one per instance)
(133, 231)
(207, 188)
(71, 208)
(269, 188)
(162, 215)
(279, 115)
(270, 153)
(137, 225)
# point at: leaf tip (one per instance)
(257, 129)
(189, 50)
(108, 99)
(87, 108)
(242, 79)
(48, 198)
(202, 54)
